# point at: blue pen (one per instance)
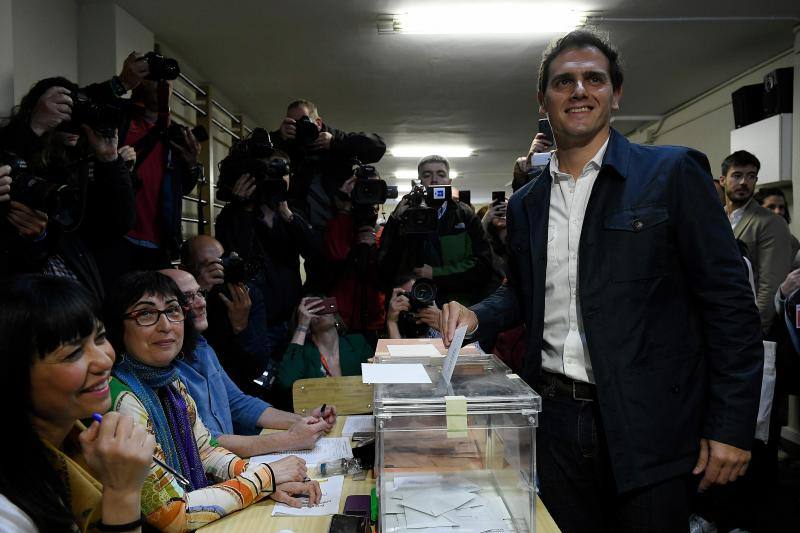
(187, 486)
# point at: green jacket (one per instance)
(300, 362)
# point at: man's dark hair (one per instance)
(313, 114)
(740, 158)
(581, 39)
(764, 192)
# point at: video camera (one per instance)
(175, 133)
(418, 218)
(369, 189)
(104, 119)
(250, 156)
(62, 203)
(161, 68)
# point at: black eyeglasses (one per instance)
(148, 317)
(190, 296)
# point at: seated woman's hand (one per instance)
(284, 492)
(119, 452)
(290, 468)
(329, 416)
(303, 434)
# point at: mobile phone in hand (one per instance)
(546, 130)
(498, 197)
(329, 306)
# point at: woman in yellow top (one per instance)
(147, 323)
(58, 475)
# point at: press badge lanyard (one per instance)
(325, 365)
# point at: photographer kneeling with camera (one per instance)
(70, 190)
(437, 238)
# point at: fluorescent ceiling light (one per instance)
(403, 187)
(411, 174)
(420, 150)
(488, 18)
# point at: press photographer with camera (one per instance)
(166, 169)
(412, 312)
(322, 160)
(436, 237)
(260, 227)
(70, 192)
(350, 246)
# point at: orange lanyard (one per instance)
(325, 364)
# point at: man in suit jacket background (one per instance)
(766, 235)
(643, 338)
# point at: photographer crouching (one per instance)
(436, 237)
(352, 252)
(69, 192)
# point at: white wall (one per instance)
(6, 58)
(45, 41)
(705, 122)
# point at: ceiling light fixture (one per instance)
(489, 18)
(411, 174)
(421, 150)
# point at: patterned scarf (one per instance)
(168, 413)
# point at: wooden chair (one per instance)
(347, 393)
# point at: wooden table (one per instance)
(258, 517)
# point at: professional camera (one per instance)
(250, 156)
(436, 195)
(306, 131)
(104, 119)
(418, 218)
(161, 68)
(175, 133)
(422, 294)
(369, 189)
(240, 270)
(61, 203)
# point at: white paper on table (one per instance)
(355, 424)
(394, 373)
(436, 501)
(413, 350)
(434, 480)
(328, 502)
(325, 450)
(452, 353)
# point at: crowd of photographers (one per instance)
(305, 271)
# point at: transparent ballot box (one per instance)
(458, 455)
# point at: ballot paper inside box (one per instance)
(460, 456)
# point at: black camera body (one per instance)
(306, 131)
(368, 191)
(422, 294)
(61, 203)
(237, 269)
(104, 119)
(436, 195)
(175, 133)
(418, 218)
(250, 156)
(161, 68)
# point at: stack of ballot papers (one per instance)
(328, 503)
(438, 504)
(326, 449)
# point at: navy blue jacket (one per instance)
(671, 326)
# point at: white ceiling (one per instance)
(476, 90)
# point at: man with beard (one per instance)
(766, 235)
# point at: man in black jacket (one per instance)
(643, 337)
(322, 160)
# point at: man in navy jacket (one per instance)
(643, 337)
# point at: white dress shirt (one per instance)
(564, 349)
(737, 214)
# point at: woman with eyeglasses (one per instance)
(59, 475)
(147, 323)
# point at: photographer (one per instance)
(350, 246)
(409, 317)
(322, 159)
(259, 225)
(238, 328)
(437, 238)
(73, 191)
(166, 169)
